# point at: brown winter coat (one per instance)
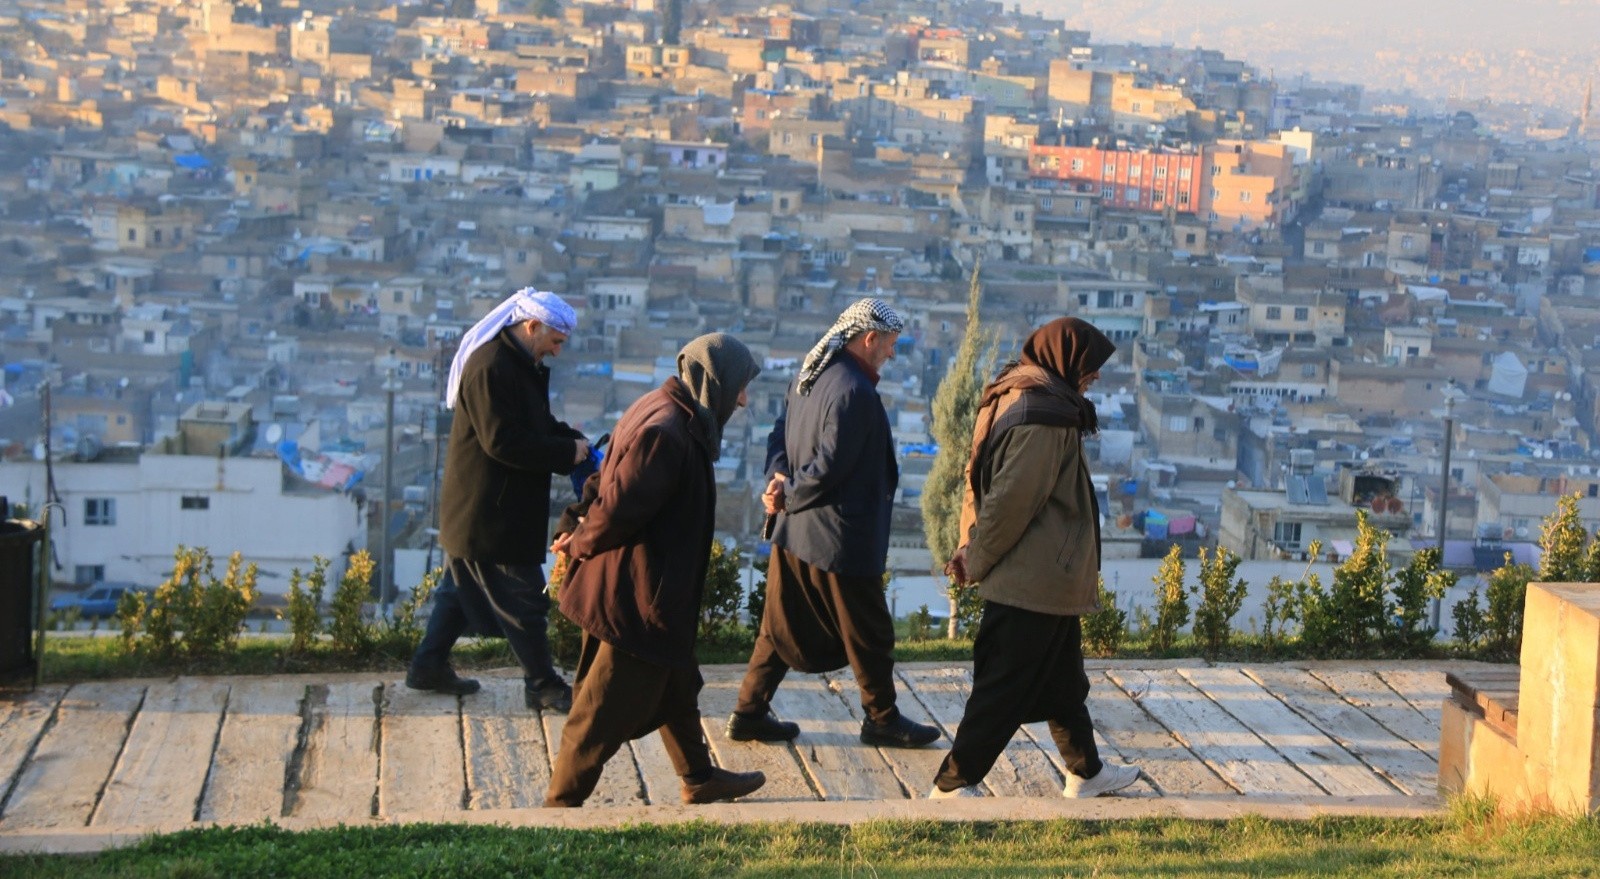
(1033, 539)
(641, 553)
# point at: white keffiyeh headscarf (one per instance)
(864, 315)
(525, 304)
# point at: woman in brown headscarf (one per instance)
(1032, 544)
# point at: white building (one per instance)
(124, 513)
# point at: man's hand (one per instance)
(956, 568)
(562, 541)
(582, 446)
(772, 499)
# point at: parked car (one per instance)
(99, 600)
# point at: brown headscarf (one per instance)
(1055, 358)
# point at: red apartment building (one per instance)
(1136, 180)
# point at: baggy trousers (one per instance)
(619, 697)
(818, 621)
(1027, 667)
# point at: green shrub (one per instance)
(347, 625)
(1221, 595)
(191, 613)
(305, 604)
(1172, 600)
(1105, 629)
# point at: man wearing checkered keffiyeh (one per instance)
(833, 475)
(865, 314)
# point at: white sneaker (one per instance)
(1112, 777)
(970, 790)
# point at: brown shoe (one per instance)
(723, 785)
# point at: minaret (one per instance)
(1586, 120)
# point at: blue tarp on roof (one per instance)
(1591, 254)
(193, 161)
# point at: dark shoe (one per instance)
(902, 732)
(440, 680)
(555, 697)
(722, 785)
(760, 728)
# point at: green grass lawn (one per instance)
(1466, 843)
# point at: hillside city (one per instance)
(240, 242)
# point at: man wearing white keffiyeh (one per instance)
(494, 504)
(833, 475)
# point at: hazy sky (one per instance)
(1373, 41)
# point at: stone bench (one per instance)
(1529, 736)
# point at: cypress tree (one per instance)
(955, 410)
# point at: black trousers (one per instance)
(1027, 667)
(620, 697)
(816, 621)
(505, 599)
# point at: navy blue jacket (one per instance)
(834, 445)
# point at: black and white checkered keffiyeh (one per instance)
(864, 315)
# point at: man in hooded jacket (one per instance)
(639, 560)
(1030, 524)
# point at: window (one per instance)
(1110, 170)
(1183, 173)
(133, 235)
(399, 297)
(85, 575)
(1161, 172)
(1158, 196)
(156, 236)
(1199, 425)
(1178, 424)
(1183, 198)
(99, 511)
(1018, 216)
(149, 337)
(1077, 164)
(1308, 370)
(1274, 312)
(1077, 205)
(1047, 203)
(1134, 171)
(1244, 197)
(1108, 191)
(1405, 242)
(1286, 533)
(1302, 314)
(195, 502)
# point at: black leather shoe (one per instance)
(440, 680)
(760, 728)
(902, 732)
(555, 697)
(722, 785)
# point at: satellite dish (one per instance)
(1522, 531)
(274, 433)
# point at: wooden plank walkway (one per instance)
(121, 755)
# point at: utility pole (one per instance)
(386, 582)
(1444, 481)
